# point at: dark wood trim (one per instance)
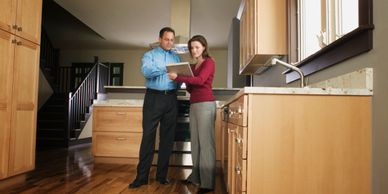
(352, 44)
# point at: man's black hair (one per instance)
(166, 29)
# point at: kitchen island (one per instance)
(117, 126)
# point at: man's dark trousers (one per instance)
(159, 106)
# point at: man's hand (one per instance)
(172, 76)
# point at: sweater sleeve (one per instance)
(206, 71)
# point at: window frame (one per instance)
(350, 45)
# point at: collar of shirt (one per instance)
(160, 49)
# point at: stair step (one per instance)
(44, 142)
(50, 133)
(55, 124)
(52, 115)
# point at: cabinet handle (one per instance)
(239, 111)
(14, 26)
(20, 29)
(121, 138)
(19, 43)
(238, 140)
(120, 113)
(14, 41)
(238, 170)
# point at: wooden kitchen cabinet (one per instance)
(305, 143)
(19, 66)
(22, 18)
(263, 33)
(117, 132)
(6, 79)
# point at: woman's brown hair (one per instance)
(202, 40)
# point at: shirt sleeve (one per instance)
(149, 67)
(200, 79)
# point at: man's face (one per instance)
(167, 41)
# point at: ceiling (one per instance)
(128, 24)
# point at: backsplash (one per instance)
(360, 79)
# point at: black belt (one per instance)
(164, 92)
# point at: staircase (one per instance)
(62, 118)
(52, 123)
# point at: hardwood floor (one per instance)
(74, 171)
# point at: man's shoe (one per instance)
(136, 184)
(164, 181)
(203, 190)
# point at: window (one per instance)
(330, 40)
(322, 22)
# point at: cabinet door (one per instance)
(6, 62)
(7, 15)
(24, 105)
(28, 19)
(224, 149)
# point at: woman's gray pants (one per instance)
(202, 123)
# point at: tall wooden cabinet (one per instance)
(263, 33)
(22, 18)
(298, 144)
(20, 24)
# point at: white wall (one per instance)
(45, 90)
(132, 59)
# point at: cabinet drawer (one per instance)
(122, 119)
(116, 144)
(241, 141)
(241, 174)
(238, 111)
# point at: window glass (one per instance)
(321, 22)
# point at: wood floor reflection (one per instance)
(74, 171)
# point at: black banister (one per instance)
(83, 97)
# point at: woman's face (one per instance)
(196, 49)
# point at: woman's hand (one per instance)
(172, 76)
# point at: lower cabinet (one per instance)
(297, 144)
(117, 132)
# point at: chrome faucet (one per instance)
(275, 60)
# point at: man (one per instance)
(160, 106)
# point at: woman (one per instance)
(202, 114)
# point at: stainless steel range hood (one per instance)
(180, 22)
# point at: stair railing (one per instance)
(83, 97)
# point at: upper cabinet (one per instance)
(263, 32)
(22, 18)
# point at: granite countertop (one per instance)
(119, 102)
(133, 103)
(302, 91)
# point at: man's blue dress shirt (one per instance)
(154, 70)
